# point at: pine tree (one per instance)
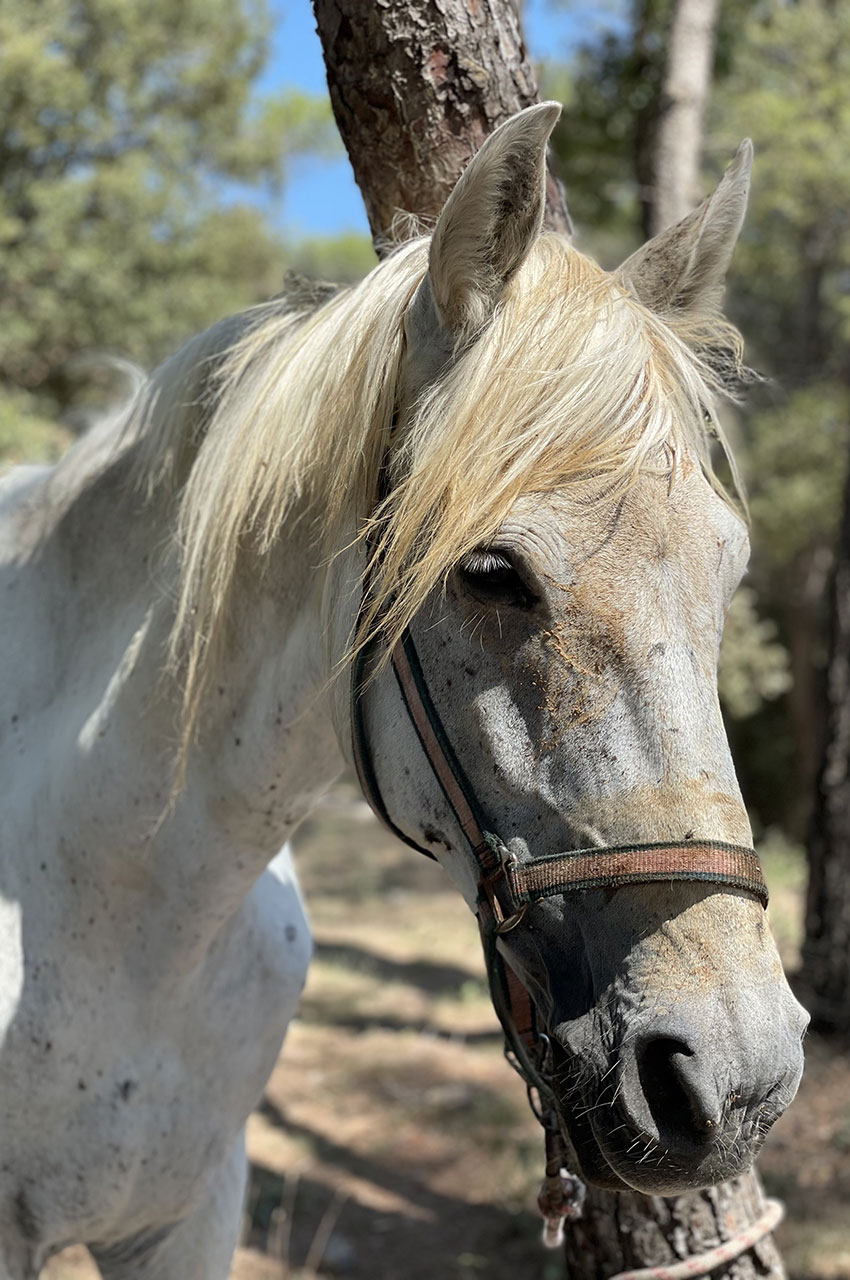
(119, 126)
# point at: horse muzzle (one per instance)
(684, 1102)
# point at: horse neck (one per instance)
(266, 747)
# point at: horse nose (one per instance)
(680, 1084)
(680, 1089)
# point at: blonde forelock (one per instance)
(571, 378)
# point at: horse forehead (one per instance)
(680, 525)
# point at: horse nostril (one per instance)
(682, 1093)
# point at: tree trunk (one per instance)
(416, 87)
(646, 116)
(620, 1232)
(687, 78)
(430, 80)
(826, 950)
(809, 582)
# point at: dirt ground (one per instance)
(395, 1143)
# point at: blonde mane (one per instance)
(291, 414)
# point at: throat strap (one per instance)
(363, 765)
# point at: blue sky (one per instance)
(321, 197)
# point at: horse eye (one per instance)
(490, 575)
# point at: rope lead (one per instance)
(561, 1195)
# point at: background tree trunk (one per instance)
(645, 71)
(625, 1231)
(416, 87)
(826, 950)
(684, 89)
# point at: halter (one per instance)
(508, 887)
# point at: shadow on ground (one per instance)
(419, 1243)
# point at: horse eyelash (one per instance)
(484, 560)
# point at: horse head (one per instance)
(555, 539)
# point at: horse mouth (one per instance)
(593, 1167)
(613, 1154)
(610, 1157)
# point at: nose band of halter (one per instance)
(507, 886)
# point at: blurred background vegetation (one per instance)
(125, 129)
(130, 135)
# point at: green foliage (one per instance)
(118, 125)
(610, 96)
(753, 663)
(343, 259)
(25, 434)
(796, 459)
(788, 86)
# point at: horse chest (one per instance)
(118, 1096)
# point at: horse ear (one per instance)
(685, 266)
(486, 228)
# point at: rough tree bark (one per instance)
(826, 950)
(416, 87)
(627, 1231)
(430, 80)
(684, 89)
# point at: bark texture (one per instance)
(416, 88)
(826, 951)
(678, 144)
(623, 1231)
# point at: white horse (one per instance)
(524, 438)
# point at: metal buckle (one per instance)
(512, 921)
(546, 1062)
(490, 885)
